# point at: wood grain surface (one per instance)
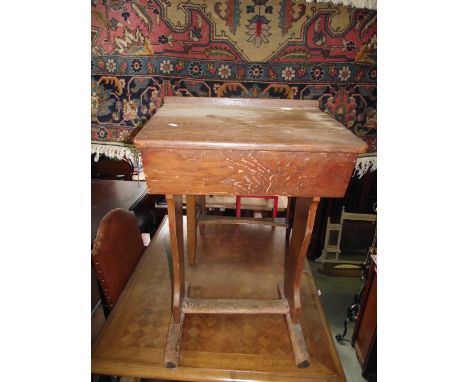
(202, 146)
(239, 102)
(201, 201)
(174, 211)
(282, 125)
(303, 223)
(191, 212)
(246, 147)
(297, 339)
(235, 172)
(234, 306)
(241, 262)
(215, 219)
(171, 354)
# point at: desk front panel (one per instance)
(238, 172)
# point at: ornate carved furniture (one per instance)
(223, 146)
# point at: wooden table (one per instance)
(215, 347)
(221, 146)
(109, 194)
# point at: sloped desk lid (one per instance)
(246, 124)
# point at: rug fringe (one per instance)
(119, 151)
(369, 4)
(365, 164)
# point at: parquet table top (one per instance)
(244, 261)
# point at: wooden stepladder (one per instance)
(331, 247)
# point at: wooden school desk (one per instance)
(221, 146)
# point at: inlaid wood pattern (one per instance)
(144, 329)
(259, 334)
(215, 347)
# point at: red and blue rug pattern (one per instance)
(145, 50)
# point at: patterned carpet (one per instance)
(143, 50)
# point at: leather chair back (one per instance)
(117, 249)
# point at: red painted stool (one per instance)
(238, 203)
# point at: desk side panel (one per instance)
(234, 172)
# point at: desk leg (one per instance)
(201, 201)
(191, 228)
(289, 216)
(174, 211)
(304, 217)
(172, 352)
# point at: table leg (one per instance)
(304, 217)
(201, 201)
(301, 355)
(191, 228)
(172, 352)
(174, 212)
(289, 216)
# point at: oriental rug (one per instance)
(143, 50)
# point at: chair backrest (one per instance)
(107, 168)
(117, 249)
